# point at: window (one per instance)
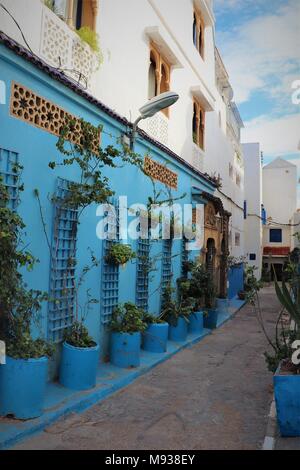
(158, 76)
(252, 257)
(231, 170)
(198, 125)
(237, 238)
(198, 33)
(238, 180)
(77, 13)
(276, 235)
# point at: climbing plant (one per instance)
(19, 306)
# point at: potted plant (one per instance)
(242, 295)
(80, 353)
(120, 254)
(287, 376)
(196, 291)
(24, 375)
(176, 313)
(126, 326)
(210, 310)
(155, 337)
(79, 360)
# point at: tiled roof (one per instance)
(59, 75)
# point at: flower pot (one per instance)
(211, 319)
(287, 399)
(195, 322)
(22, 387)
(155, 338)
(180, 331)
(125, 349)
(78, 367)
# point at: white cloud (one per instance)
(277, 137)
(261, 52)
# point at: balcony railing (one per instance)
(61, 47)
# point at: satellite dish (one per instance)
(162, 101)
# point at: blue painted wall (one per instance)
(36, 148)
(236, 280)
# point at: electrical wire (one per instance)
(18, 26)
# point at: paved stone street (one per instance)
(215, 395)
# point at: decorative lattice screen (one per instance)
(160, 173)
(110, 274)
(63, 264)
(10, 174)
(166, 275)
(142, 273)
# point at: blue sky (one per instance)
(260, 43)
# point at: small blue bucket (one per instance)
(125, 349)
(22, 387)
(196, 322)
(78, 367)
(180, 331)
(155, 338)
(211, 319)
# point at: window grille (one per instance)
(63, 265)
(10, 175)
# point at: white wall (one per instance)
(253, 196)
(280, 192)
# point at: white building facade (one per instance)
(280, 202)
(254, 216)
(148, 47)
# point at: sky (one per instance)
(260, 44)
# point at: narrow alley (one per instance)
(215, 395)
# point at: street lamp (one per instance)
(156, 104)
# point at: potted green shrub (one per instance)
(287, 376)
(120, 254)
(176, 313)
(126, 327)
(23, 378)
(155, 337)
(80, 353)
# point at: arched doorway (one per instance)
(210, 256)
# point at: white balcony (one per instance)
(61, 47)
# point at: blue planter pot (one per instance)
(180, 331)
(155, 338)
(78, 367)
(287, 399)
(196, 322)
(125, 349)
(211, 319)
(22, 387)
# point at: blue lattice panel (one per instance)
(110, 273)
(10, 175)
(184, 255)
(142, 275)
(63, 260)
(166, 275)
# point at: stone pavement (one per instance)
(214, 395)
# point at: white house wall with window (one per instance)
(280, 203)
(148, 47)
